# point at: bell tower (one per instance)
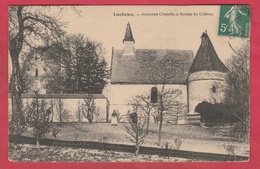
(128, 41)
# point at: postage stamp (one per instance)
(234, 20)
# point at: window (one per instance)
(154, 96)
(213, 89)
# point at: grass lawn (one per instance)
(194, 138)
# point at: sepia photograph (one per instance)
(139, 83)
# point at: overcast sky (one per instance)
(151, 32)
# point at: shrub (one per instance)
(219, 113)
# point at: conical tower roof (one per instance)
(128, 34)
(206, 58)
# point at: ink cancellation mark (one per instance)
(234, 21)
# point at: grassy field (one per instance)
(194, 138)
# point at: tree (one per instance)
(97, 113)
(57, 59)
(137, 132)
(89, 107)
(238, 88)
(28, 28)
(76, 65)
(78, 113)
(26, 78)
(62, 114)
(179, 111)
(160, 73)
(35, 118)
(142, 103)
(52, 103)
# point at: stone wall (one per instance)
(200, 88)
(70, 102)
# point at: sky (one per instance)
(181, 29)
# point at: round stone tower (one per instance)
(206, 79)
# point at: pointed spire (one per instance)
(206, 58)
(128, 34)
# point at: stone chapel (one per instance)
(199, 78)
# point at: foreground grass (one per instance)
(31, 153)
(194, 138)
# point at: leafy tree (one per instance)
(87, 67)
(75, 66)
(56, 59)
(238, 88)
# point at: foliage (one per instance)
(75, 66)
(238, 90)
(55, 60)
(218, 113)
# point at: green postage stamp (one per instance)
(234, 21)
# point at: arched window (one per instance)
(213, 89)
(154, 96)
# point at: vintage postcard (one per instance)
(121, 83)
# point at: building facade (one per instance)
(198, 79)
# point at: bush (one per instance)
(219, 113)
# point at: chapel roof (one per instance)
(206, 58)
(131, 69)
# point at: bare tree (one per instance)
(78, 113)
(142, 103)
(97, 112)
(52, 103)
(28, 27)
(162, 72)
(156, 115)
(137, 132)
(35, 118)
(177, 112)
(89, 107)
(62, 114)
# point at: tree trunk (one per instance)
(160, 129)
(15, 47)
(148, 123)
(160, 120)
